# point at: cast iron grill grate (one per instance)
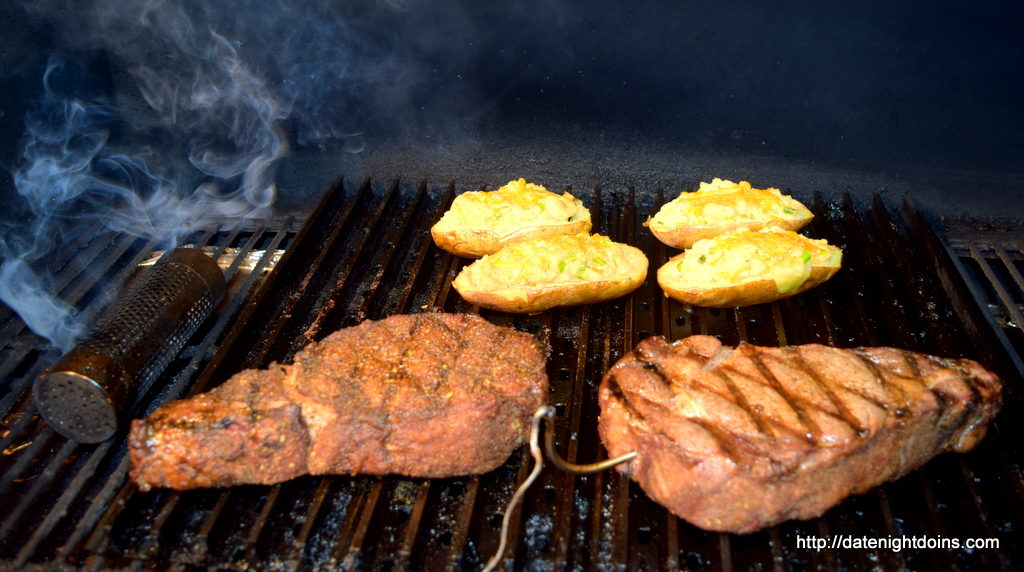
(366, 253)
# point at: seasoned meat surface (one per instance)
(740, 439)
(425, 395)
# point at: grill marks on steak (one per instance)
(739, 439)
(427, 395)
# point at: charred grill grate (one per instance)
(366, 253)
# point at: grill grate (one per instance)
(366, 253)
(994, 263)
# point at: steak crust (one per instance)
(736, 440)
(423, 395)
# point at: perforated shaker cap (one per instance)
(90, 390)
(76, 406)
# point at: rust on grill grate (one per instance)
(364, 253)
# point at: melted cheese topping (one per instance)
(517, 205)
(559, 260)
(745, 256)
(723, 201)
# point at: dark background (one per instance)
(918, 98)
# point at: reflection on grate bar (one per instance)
(234, 259)
(366, 253)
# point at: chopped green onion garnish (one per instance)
(788, 211)
(702, 259)
(806, 256)
(598, 260)
(561, 266)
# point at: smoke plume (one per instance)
(186, 134)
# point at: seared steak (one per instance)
(426, 395)
(739, 439)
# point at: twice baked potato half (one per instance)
(723, 206)
(536, 275)
(748, 267)
(481, 222)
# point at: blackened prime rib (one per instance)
(739, 439)
(427, 395)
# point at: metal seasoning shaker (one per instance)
(88, 392)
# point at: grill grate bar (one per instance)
(384, 262)
(150, 542)
(39, 482)
(864, 332)
(343, 540)
(16, 329)
(1002, 252)
(26, 454)
(59, 270)
(222, 246)
(354, 552)
(248, 247)
(321, 296)
(335, 272)
(404, 299)
(616, 531)
(384, 267)
(28, 418)
(777, 329)
(897, 329)
(566, 481)
(939, 524)
(201, 545)
(381, 263)
(26, 357)
(1011, 307)
(270, 504)
(317, 504)
(24, 416)
(405, 553)
(947, 344)
(79, 285)
(253, 535)
(200, 353)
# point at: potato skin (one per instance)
(745, 294)
(482, 222)
(477, 242)
(532, 276)
(531, 300)
(721, 207)
(684, 237)
(744, 268)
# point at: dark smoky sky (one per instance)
(907, 81)
(934, 83)
(937, 83)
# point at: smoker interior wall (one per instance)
(684, 88)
